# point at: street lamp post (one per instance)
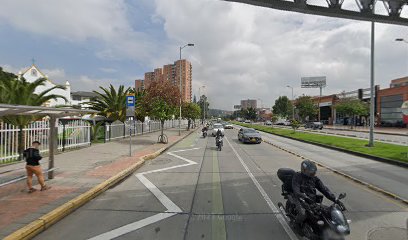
(181, 48)
(372, 103)
(293, 108)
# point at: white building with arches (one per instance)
(33, 73)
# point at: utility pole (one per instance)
(181, 89)
(372, 97)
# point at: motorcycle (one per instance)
(322, 222)
(219, 142)
(204, 133)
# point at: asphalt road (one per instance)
(196, 192)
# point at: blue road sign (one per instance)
(130, 101)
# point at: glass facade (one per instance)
(391, 113)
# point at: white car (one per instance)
(216, 127)
(228, 126)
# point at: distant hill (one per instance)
(218, 112)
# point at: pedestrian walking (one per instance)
(33, 167)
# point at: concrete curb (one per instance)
(372, 187)
(37, 226)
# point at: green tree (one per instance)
(352, 107)
(283, 107)
(111, 103)
(295, 125)
(307, 110)
(191, 112)
(251, 114)
(161, 101)
(22, 92)
(204, 105)
(141, 112)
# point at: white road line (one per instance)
(172, 208)
(274, 209)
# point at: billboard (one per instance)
(313, 82)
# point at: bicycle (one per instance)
(163, 139)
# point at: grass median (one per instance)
(382, 150)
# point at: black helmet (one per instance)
(308, 168)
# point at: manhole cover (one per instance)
(391, 233)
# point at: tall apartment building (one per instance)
(186, 79)
(139, 85)
(171, 72)
(248, 103)
(148, 78)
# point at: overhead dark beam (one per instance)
(325, 11)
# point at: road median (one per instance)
(383, 152)
(37, 226)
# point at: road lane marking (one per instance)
(172, 208)
(217, 222)
(274, 209)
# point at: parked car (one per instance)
(249, 135)
(268, 123)
(228, 126)
(247, 121)
(215, 129)
(314, 125)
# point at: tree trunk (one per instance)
(162, 126)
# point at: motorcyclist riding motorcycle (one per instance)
(304, 185)
(204, 131)
(218, 134)
(218, 142)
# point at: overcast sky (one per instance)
(241, 51)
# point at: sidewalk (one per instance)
(381, 130)
(78, 171)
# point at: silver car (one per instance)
(215, 129)
(249, 135)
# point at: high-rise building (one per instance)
(171, 72)
(248, 103)
(148, 78)
(139, 85)
(158, 74)
(186, 79)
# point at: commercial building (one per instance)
(249, 103)
(171, 72)
(388, 104)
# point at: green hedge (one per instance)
(383, 150)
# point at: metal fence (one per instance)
(73, 134)
(119, 129)
(70, 135)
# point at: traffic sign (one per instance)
(130, 101)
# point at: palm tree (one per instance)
(22, 92)
(111, 103)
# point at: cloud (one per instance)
(244, 51)
(108, 70)
(104, 21)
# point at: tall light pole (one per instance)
(372, 103)
(181, 48)
(293, 107)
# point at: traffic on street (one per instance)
(194, 191)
